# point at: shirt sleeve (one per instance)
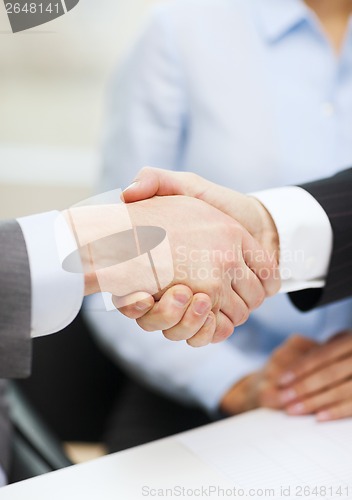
(305, 234)
(56, 294)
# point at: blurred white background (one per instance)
(52, 88)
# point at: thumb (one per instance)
(145, 185)
(155, 182)
(158, 182)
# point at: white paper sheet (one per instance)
(295, 457)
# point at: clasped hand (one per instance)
(221, 271)
(241, 267)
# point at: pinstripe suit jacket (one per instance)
(15, 302)
(335, 196)
(15, 319)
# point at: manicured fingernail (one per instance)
(200, 307)
(323, 416)
(130, 186)
(287, 396)
(287, 378)
(142, 306)
(297, 409)
(181, 299)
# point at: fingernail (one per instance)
(287, 396)
(200, 307)
(323, 416)
(297, 409)
(142, 306)
(287, 378)
(181, 299)
(130, 186)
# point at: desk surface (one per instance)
(120, 476)
(258, 450)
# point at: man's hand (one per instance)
(212, 255)
(262, 389)
(321, 382)
(90, 224)
(246, 210)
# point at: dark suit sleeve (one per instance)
(335, 196)
(5, 428)
(15, 303)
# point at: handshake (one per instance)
(199, 257)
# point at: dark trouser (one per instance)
(141, 416)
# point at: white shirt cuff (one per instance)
(56, 294)
(305, 234)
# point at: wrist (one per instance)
(91, 284)
(264, 230)
(241, 397)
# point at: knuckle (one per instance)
(343, 392)
(146, 169)
(198, 341)
(217, 290)
(222, 333)
(192, 177)
(169, 312)
(277, 353)
(169, 317)
(304, 387)
(172, 336)
(333, 374)
(260, 296)
(309, 405)
(192, 343)
(176, 333)
(243, 316)
(271, 281)
(346, 389)
(146, 325)
(229, 329)
(127, 311)
(295, 338)
(143, 172)
(267, 397)
(271, 370)
(188, 325)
